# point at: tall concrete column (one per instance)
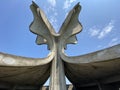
(57, 76)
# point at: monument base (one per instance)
(102, 87)
(114, 86)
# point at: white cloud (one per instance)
(52, 14)
(52, 2)
(68, 3)
(94, 31)
(101, 33)
(52, 17)
(106, 30)
(50, 9)
(53, 21)
(114, 41)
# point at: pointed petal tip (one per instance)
(77, 6)
(34, 4)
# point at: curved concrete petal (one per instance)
(12, 60)
(101, 66)
(24, 71)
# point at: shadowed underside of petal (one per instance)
(86, 70)
(24, 71)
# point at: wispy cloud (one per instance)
(52, 14)
(68, 3)
(114, 41)
(53, 21)
(106, 30)
(101, 33)
(94, 31)
(52, 2)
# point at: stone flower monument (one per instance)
(95, 71)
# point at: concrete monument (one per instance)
(94, 71)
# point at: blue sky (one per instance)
(100, 20)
